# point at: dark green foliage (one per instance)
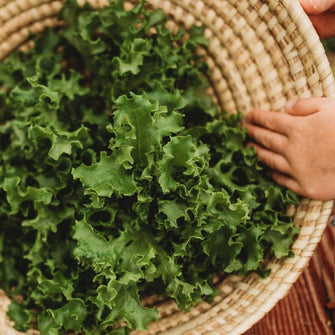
(118, 178)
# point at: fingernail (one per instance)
(312, 6)
(315, 5)
(290, 104)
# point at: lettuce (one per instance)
(119, 178)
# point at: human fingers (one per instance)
(269, 139)
(307, 106)
(286, 181)
(324, 24)
(317, 6)
(273, 160)
(275, 121)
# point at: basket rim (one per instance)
(304, 247)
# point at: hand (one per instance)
(322, 15)
(298, 146)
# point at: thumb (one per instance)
(304, 106)
(317, 6)
(324, 24)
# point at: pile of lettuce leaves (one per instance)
(120, 178)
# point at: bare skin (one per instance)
(299, 145)
(322, 15)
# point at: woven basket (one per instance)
(261, 53)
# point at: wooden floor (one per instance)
(309, 308)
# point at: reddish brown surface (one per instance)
(309, 308)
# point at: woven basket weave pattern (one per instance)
(261, 54)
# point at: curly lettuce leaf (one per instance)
(119, 178)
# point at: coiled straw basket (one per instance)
(262, 53)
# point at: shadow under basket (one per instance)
(261, 54)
